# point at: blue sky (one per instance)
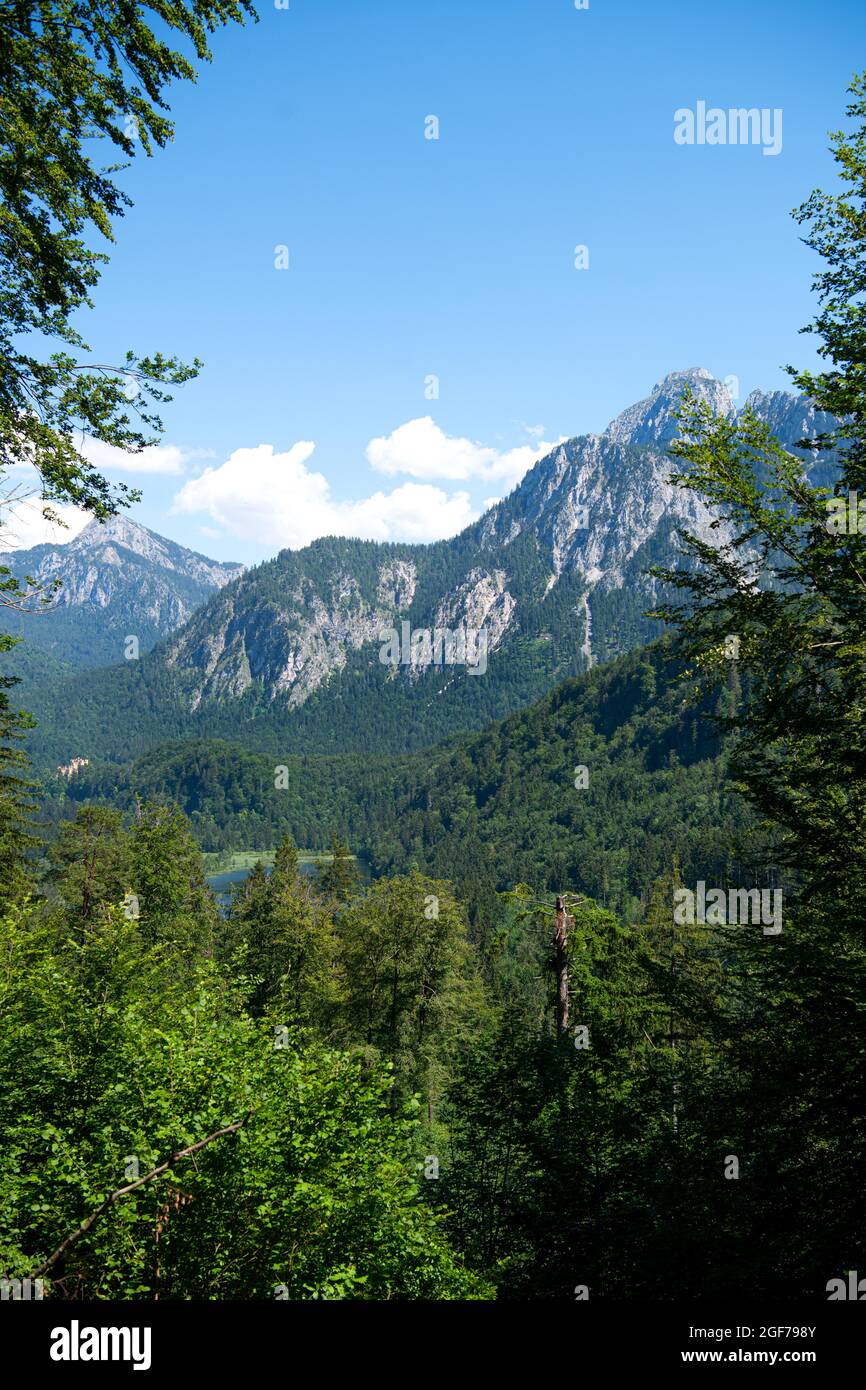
(411, 257)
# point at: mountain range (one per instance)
(117, 579)
(291, 656)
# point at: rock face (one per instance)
(334, 647)
(791, 418)
(289, 649)
(794, 419)
(559, 562)
(596, 507)
(652, 421)
(117, 579)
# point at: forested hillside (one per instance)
(486, 810)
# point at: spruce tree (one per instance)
(339, 879)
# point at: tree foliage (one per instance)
(80, 82)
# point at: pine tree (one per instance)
(286, 936)
(286, 864)
(413, 991)
(339, 879)
(304, 975)
(172, 899)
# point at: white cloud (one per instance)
(273, 499)
(421, 449)
(21, 521)
(412, 512)
(22, 525)
(156, 458)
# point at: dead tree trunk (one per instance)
(560, 963)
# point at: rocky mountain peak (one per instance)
(791, 417)
(121, 531)
(652, 420)
(115, 578)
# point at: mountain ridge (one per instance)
(289, 655)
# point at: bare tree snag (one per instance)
(560, 965)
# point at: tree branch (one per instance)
(122, 1192)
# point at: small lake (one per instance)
(222, 883)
